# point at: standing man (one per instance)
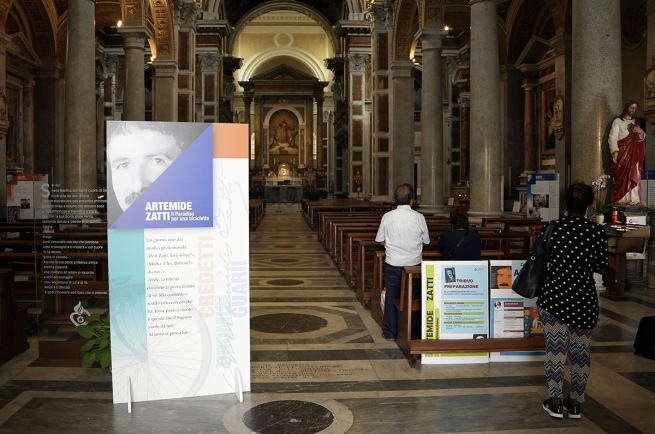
(628, 150)
(403, 232)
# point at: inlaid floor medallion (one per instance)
(288, 416)
(285, 282)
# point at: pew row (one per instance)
(413, 348)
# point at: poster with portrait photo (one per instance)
(139, 153)
(543, 196)
(178, 259)
(510, 315)
(455, 305)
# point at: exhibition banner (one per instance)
(24, 197)
(178, 238)
(455, 300)
(543, 196)
(512, 316)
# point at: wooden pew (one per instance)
(377, 282)
(257, 210)
(413, 348)
(13, 319)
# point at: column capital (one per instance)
(165, 68)
(247, 100)
(135, 36)
(561, 43)
(464, 99)
(379, 14)
(319, 100)
(357, 61)
(187, 13)
(401, 68)
(258, 99)
(431, 37)
(110, 61)
(209, 61)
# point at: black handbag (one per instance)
(531, 277)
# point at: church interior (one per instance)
(467, 100)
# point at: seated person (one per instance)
(460, 244)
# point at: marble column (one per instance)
(258, 134)
(464, 135)
(28, 121)
(596, 100)
(320, 160)
(650, 52)
(309, 130)
(5, 40)
(529, 127)
(247, 101)
(48, 115)
(512, 126)
(562, 47)
(80, 91)
(485, 111)
(432, 136)
(402, 127)
(164, 96)
(134, 96)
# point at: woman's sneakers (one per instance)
(572, 409)
(554, 410)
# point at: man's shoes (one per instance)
(554, 410)
(572, 409)
(388, 338)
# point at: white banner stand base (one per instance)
(129, 396)
(238, 387)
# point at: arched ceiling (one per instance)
(330, 9)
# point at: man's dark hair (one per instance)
(460, 221)
(626, 106)
(578, 198)
(403, 194)
(181, 136)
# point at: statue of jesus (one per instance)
(628, 150)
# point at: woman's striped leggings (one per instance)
(562, 340)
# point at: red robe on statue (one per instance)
(629, 166)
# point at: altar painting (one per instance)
(283, 133)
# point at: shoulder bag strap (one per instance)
(457, 246)
(549, 233)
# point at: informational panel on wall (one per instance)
(22, 204)
(543, 196)
(178, 259)
(512, 316)
(455, 306)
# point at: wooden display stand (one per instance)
(622, 239)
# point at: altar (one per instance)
(282, 193)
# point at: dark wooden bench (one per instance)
(13, 319)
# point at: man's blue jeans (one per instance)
(392, 276)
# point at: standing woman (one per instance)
(568, 304)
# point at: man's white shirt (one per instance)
(403, 231)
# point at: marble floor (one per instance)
(319, 364)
